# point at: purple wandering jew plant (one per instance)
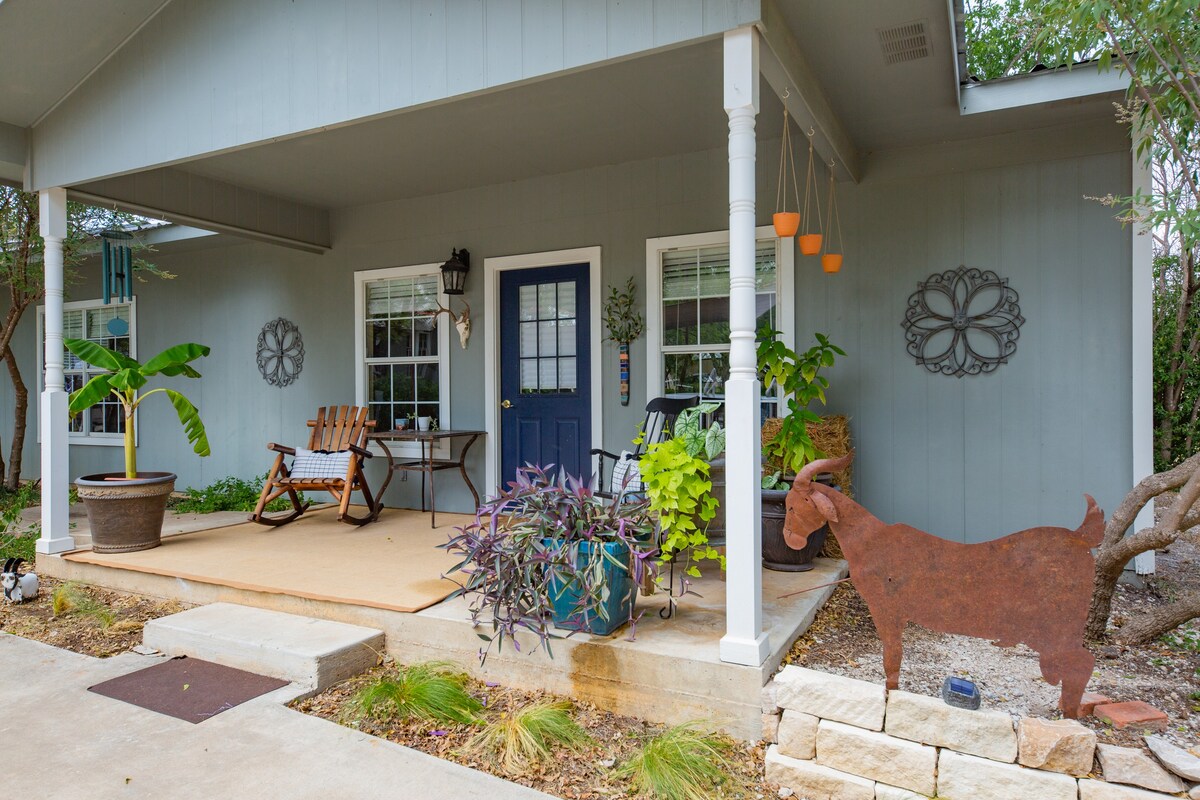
(546, 553)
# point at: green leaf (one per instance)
(173, 361)
(99, 356)
(189, 417)
(127, 380)
(94, 391)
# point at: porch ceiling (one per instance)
(49, 46)
(661, 104)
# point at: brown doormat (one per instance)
(187, 688)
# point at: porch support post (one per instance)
(744, 641)
(1142, 268)
(56, 537)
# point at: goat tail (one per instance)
(1091, 530)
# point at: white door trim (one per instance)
(492, 267)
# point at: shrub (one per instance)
(13, 542)
(433, 690)
(681, 763)
(70, 598)
(529, 735)
(229, 494)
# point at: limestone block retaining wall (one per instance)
(838, 738)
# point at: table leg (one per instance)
(375, 512)
(462, 467)
(432, 495)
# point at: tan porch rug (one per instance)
(392, 563)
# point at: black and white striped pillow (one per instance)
(320, 463)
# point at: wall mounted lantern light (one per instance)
(454, 271)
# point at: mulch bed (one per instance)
(581, 775)
(842, 640)
(84, 633)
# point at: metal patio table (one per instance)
(426, 464)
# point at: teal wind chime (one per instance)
(117, 261)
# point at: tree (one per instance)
(21, 249)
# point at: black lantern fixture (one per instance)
(454, 271)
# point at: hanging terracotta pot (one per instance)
(810, 243)
(786, 223)
(831, 262)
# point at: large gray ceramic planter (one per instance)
(125, 515)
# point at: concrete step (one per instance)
(313, 653)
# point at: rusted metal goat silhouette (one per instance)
(1033, 586)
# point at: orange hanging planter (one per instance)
(786, 222)
(832, 261)
(810, 243)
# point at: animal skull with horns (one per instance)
(461, 321)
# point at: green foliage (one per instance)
(229, 494)
(696, 437)
(433, 690)
(798, 374)
(621, 317)
(529, 735)
(681, 763)
(1009, 37)
(1185, 637)
(72, 599)
(124, 377)
(1176, 362)
(13, 542)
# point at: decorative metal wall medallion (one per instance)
(280, 352)
(962, 321)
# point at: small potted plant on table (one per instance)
(125, 509)
(791, 446)
(549, 553)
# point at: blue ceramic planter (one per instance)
(620, 593)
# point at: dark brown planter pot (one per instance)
(776, 553)
(125, 515)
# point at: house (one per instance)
(339, 151)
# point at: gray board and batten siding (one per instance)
(206, 76)
(969, 459)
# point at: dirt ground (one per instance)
(1165, 674)
(586, 775)
(107, 623)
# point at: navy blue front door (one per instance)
(545, 370)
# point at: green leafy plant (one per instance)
(72, 599)
(229, 494)
(15, 543)
(531, 734)
(124, 377)
(798, 375)
(621, 317)
(432, 690)
(681, 763)
(676, 475)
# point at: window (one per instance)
(688, 302)
(402, 349)
(548, 332)
(111, 326)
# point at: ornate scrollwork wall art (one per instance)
(962, 321)
(280, 352)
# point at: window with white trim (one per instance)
(111, 325)
(402, 346)
(688, 280)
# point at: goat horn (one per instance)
(812, 468)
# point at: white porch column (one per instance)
(1142, 358)
(744, 641)
(56, 537)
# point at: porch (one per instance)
(388, 576)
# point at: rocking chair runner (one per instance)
(338, 435)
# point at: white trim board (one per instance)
(785, 264)
(492, 267)
(1142, 359)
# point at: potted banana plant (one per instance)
(125, 509)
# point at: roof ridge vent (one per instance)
(905, 42)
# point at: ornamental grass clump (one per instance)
(71, 599)
(433, 690)
(543, 539)
(681, 763)
(528, 735)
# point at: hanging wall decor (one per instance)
(624, 323)
(962, 321)
(810, 243)
(831, 259)
(786, 222)
(280, 352)
(116, 264)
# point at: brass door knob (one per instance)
(506, 403)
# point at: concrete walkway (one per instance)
(59, 740)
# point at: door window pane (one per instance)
(548, 337)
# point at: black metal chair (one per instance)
(661, 413)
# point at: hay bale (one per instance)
(831, 435)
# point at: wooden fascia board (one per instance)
(787, 71)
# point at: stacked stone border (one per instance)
(838, 738)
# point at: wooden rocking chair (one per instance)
(338, 435)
